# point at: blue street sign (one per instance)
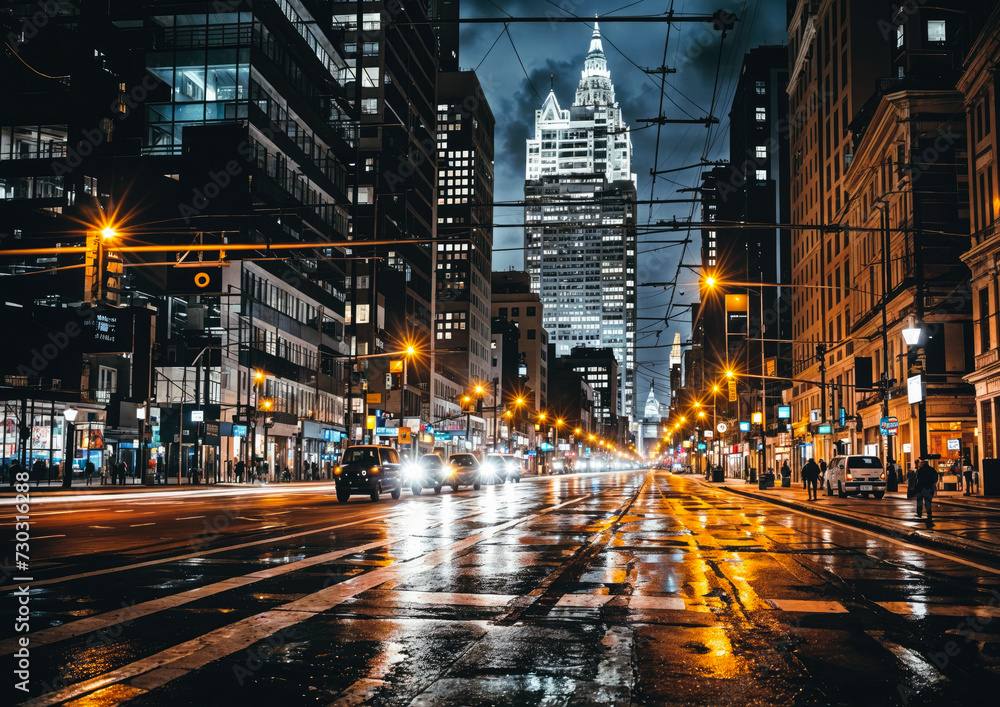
(239, 430)
(824, 429)
(744, 426)
(784, 412)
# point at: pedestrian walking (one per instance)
(892, 476)
(13, 471)
(239, 470)
(925, 487)
(38, 471)
(967, 473)
(810, 473)
(120, 470)
(88, 471)
(956, 471)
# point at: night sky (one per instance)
(558, 50)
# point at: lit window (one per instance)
(761, 175)
(899, 35)
(761, 152)
(936, 31)
(761, 114)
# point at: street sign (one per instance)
(889, 426)
(824, 429)
(709, 434)
(732, 391)
(744, 426)
(404, 435)
(758, 418)
(954, 445)
(197, 416)
(396, 366)
(374, 398)
(721, 428)
(371, 422)
(784, 412)
(915, 389)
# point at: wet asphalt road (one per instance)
(614, 588)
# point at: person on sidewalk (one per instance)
(239, 470)
(967, 473)
(88, 471)
(810, 474)
(892, 476)
(926, 485)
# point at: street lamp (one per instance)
(69, 441)
(913, 335)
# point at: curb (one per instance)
(980, 550)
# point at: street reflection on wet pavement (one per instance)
(590, 589)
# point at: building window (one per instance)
(531, 333)
(761, 87)
(761, 152)
(503, 312)
(761, 113)
(899, 35)
(515, 311)
(761, 175)
(936, 31)
(531, 311)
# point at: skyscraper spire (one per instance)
(595, 87)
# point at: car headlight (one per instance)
(411, 471)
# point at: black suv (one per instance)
(368, 469)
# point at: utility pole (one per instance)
(821, 355)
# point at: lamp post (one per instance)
(69, 442)
(268, 424)
(913, 335)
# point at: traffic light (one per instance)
(479, 406)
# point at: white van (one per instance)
(855, 474)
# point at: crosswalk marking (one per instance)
(809, 606)
(158, 669)
(921, 609)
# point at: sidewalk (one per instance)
(956, 516)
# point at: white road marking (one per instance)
(451, 598)
(131, 613)
(163, 667)
(887, 538)
(584, 601)
(924, 674)
(140, 525)
(200, 553)
(189, 518)
(45, 537)
(922, 609)
(661, 603)
(808, 606)
(101, 527)
(49, 513)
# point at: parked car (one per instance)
(368, 469)
(855, 474)
(429, 471)
(465, 469)
(501, 467)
